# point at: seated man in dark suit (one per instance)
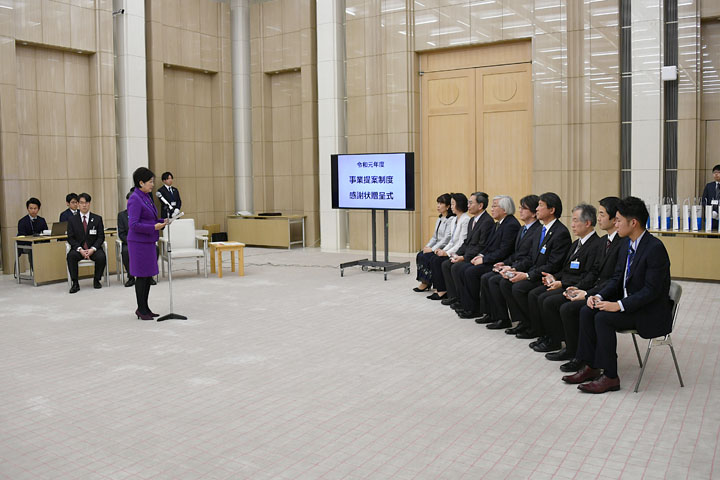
(499, 246)
(71, 199)
(479, 228)
(711, 195)
(493, 306)
(636, 297)
(577, 267)
(562, 314)
(31, 224)
(123, 228)
(85, 234)
(547, 257)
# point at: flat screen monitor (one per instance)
(373, 181)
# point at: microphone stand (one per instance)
(171, 315)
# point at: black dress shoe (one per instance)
(97, 284)
(466, 314)
(498, 324)
(572, 366)
(152, 281)
(448, 300)
(526, 334)
(417, 289)
(539, 341)
(484, 318)
(457, 306)
(516, 329)
(130, 282)
(75, 287)
(435, 296)
(560, 355)
(547, 346)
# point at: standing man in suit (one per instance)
(711, 195)
(636, 297)
(547, 257)
(499, 246)
(577, 267)
(122, 228)
(71, 199)
(170, 193)
(85, 234)
(31, 224)
(479, 228)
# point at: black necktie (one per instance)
(717, 190)
(607, 245)
(32, 225)
(523, 232)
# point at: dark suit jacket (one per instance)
(501, 241)
(65, 216)
(709, 194)
(30, 228)
(521, 258)
(604, 267)
(122, 226)
(556, 243)
(648, 286)
(479, 229)
(586, 255)
(174, 197)
(76, 235)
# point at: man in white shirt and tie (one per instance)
(169, 193)
(86, 235)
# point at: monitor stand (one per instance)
(374, 264)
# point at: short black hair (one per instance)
(142, 174)
(552, 200)
(445, 198)
(165, 176)
(85, 196)
(127, 197)
(610, 205)
(70, 197)
(481, 197)
(633, 207)
(32, 201)
(530, 202)
(716, 168)
(461, 201)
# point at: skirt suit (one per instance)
(142, 236)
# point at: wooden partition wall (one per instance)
(476, 123)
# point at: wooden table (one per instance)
(693, 255)
(267, 231)
(49, 258)
(231, 247)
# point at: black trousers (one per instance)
(516, 297)
(470, 290)
(126, 260)
(436, 266)
(598, 341)
(74, 257)
(452, 272)
(570, 317)
(142, 292)
(536, 300)
(494, 302)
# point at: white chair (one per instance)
(88, 263)
(675, 294)
(186, 243)
(119, 267)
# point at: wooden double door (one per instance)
(477, 124)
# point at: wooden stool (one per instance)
(231, 247)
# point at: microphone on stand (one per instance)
(174, 211)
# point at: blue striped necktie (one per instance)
(542, 236)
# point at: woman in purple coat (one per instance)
(143, 232)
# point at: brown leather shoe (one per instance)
(583, 375)
(601, 385)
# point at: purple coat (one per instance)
(141, 238)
